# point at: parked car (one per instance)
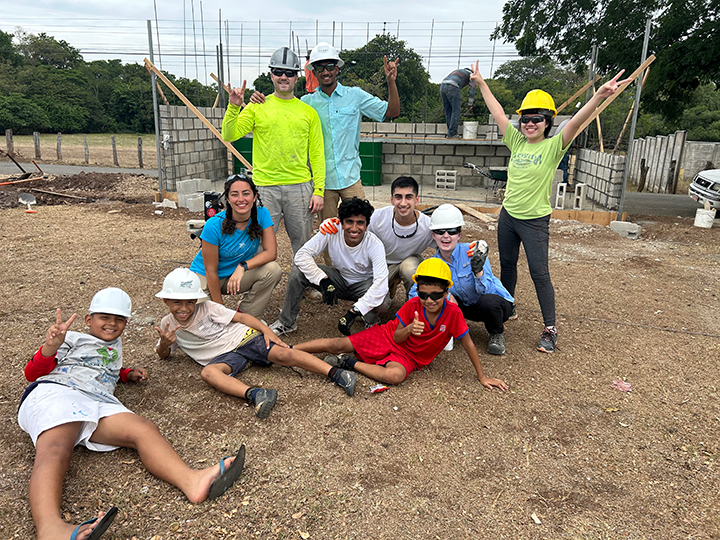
(706, 187)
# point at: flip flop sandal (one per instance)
(100, 528)
(227, 477)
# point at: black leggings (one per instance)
(534, 234)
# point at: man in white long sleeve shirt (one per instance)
(358, 272)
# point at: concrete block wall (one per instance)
(189, 148)
(190, 191)
(603, 175)
(408, 130)
(420, 159)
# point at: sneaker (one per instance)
(264, 401)
(496, 344)
(346, 380)
(514, 314)
(280, 329)
(548, 340)
(313, 295)
(339, 361)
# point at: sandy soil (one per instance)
(436, 457)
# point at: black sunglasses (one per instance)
(432, 295)
(289, 73)
(534, 119)
(330, 66)
(451, 232)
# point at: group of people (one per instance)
(305, 161)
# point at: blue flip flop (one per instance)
(227, 477)
(100, 528)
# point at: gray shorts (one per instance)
(254, 351)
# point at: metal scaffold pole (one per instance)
(156, 110)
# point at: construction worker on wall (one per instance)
(286, 138)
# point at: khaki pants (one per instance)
(333, 196)
(404, 272)
(257, 284)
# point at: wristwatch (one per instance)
(244, 265)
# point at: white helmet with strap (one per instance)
(324, 51)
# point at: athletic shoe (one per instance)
(345, 380)
(264, 401)
(514, 314)
(496, 344)
(339, 361)
(280, 329)
(548, 340)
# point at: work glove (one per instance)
(478, 252)
(330, 226)
(328, 291)
(347, 320)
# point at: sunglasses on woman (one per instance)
(432, 295)
(451, 232)
(534, 119)
(289, 73)
(330, 66)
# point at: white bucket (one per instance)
(704, 218)
(470, 130)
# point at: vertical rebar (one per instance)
(462, 28)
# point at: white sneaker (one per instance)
(280, 329)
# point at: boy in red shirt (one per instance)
(423, 326)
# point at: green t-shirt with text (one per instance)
(530, 174)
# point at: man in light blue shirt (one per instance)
(341, 109)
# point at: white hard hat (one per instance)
(324, 51)
(285, 58)
(446, 216)
(182, 284)
(113, 301)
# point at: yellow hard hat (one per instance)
(434, 268)
(538, 99)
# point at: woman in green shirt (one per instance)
(525, 216)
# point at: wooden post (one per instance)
(9, 142)
(576, 94)
(59, 147)
(629, 115)
(197, 113)
(140, 161)
(87, 150)
(162, 95)
(114, 147)
(605, 104)
(599, 128)
(36, 140)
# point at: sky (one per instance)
(444, 33)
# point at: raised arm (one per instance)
(606, 90)
(493, 104)
(393, 110)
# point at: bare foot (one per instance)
(197, 492)
(63, 531)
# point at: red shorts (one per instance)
(376, 346)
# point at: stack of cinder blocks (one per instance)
(190, 192)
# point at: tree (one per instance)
(47, 51)
(685, 37)
(364, 68)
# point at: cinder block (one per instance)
(393, 158)
(187, 186)
(496, 162)
(433, 160)
(484, 150)
(626, 229)
(560, 197)
(441, 129)
(203, 184)
(414, 159)
(403, 149)
(465, 150)
(388, 148)
(183, 136)
(445, 179)
(402, 170)
(403, 128)
(366, 127)
(454, 160)
(195, 202)
(502, 151)
(385, 128)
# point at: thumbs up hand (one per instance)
(417, 326)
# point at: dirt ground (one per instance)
(436, 457)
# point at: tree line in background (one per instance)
(46, 86)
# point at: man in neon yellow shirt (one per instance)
(286, 136)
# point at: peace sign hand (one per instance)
(612, 85)
(56, 333)
(237, 97)
(167, 337)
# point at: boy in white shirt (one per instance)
(226, 341)
(359, 271)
